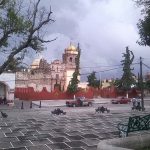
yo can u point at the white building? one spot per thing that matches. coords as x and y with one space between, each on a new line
7 85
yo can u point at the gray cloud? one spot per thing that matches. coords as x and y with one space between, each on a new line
103 27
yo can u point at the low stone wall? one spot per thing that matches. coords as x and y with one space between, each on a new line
128 143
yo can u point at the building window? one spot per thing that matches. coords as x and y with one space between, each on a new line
57 76
70 59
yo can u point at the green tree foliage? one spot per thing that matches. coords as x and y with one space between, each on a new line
147 85
127 78
92 80
14 65
117 83
78 60
144 23
73 84
21 29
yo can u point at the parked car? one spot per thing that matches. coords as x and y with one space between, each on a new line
121 100
79 101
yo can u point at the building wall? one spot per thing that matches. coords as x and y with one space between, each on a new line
2 90
106 83
69 74
7 85
42 74
83 85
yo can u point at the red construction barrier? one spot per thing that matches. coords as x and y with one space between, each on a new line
30 94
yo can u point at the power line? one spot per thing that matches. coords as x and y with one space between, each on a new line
105 66
102 71
146 66
83 74
67 76
99 66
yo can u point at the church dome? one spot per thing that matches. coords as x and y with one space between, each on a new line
71 48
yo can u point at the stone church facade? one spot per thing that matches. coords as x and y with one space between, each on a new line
42 74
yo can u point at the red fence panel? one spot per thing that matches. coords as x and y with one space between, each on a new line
30 94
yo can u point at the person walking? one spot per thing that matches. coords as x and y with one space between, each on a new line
138 101
134 103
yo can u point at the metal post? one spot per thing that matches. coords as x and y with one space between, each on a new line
31 104
141 85
40 105
22 105
100 78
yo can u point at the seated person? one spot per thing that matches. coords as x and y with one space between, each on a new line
102 109
4 100
1 100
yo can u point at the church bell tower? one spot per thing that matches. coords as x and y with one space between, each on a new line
69 59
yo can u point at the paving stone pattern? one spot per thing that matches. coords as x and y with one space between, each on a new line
59 132
39 130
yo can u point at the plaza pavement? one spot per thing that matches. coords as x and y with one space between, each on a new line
79 129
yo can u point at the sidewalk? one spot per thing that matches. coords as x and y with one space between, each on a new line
60 103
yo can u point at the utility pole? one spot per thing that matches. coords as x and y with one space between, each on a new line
141 85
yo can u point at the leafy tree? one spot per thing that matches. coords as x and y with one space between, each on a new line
117 83
127 78
147 85
73 84
14 65
92 80
144 23
78 60
21 29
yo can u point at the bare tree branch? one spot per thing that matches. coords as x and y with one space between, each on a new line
27 27
43 41
2 2
35 14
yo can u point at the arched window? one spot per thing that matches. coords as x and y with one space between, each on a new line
76 60
70 59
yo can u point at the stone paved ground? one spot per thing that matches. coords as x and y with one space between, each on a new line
37 129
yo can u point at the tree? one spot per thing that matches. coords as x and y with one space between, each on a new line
14 65
73 84
127 79
92 80
144 24
21 29
117 83
147 85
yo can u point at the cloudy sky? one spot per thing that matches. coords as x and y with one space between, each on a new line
102 27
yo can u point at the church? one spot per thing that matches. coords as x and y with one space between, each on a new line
42 74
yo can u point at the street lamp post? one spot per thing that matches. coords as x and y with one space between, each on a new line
141 85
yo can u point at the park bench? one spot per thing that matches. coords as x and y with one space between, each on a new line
102 110
58 111
135 123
